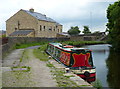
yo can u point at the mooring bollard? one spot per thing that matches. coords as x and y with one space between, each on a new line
49 57
67 70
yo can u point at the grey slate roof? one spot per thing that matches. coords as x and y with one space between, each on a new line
40 16
21 32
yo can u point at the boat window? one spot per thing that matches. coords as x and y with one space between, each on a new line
57 53
49 47
52 49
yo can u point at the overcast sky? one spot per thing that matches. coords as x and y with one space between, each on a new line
67 12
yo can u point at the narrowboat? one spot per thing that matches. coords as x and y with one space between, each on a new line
79 60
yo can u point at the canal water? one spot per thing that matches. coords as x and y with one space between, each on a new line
107 65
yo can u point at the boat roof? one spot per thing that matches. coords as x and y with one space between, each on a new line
59 45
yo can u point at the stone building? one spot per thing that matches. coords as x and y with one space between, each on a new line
27 23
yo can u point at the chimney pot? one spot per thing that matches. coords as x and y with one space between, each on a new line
31 10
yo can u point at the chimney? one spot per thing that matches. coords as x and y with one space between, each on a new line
31 10
44 15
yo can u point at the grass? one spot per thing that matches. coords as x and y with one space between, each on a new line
75 43
24 56
28 68
82 43
25 45
40 53
49 65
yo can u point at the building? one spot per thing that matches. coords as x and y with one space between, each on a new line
2 32
88 37
63 34
27 23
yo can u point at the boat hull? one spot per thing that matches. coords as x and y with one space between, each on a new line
89 79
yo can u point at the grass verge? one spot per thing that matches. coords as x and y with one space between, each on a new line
75 43
82 43
25 45
40 53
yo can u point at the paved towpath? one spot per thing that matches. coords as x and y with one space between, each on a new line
38 76
40 73
13 58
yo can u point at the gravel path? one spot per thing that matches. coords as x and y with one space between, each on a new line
40 73
38 76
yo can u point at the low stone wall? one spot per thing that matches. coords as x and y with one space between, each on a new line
12 41
34 39
84 38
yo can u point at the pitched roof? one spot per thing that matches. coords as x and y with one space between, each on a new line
21 32
40 16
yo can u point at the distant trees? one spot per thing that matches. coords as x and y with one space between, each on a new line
74 30
113 25
86 30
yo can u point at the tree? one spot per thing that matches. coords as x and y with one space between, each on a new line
86 30
113 25
74 30
96 32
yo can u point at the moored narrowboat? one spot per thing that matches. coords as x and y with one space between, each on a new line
79 60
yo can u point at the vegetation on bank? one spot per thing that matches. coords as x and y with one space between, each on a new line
40 53
97 84
113 25
82 43
75 43
25 45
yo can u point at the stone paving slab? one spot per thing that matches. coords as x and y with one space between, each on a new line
13 58
74 77
56 64
4 69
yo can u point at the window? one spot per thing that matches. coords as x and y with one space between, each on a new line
58 30
44 27
52 49
40 28
58 53
15 28
56 26
50 28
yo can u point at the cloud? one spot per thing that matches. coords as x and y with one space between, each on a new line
67 12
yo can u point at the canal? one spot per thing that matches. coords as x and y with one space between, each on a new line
107 65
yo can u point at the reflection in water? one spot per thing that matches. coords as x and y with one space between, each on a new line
113 64
100 54
107 64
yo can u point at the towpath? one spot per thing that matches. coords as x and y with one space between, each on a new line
38 76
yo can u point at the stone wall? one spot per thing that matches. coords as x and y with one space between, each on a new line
84 38
24 20
12 41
